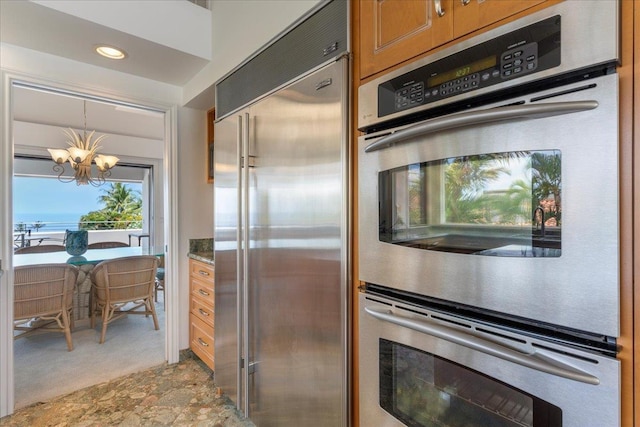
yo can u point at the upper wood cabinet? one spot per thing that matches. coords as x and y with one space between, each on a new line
471 15
393 31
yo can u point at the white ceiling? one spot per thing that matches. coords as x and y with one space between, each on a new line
37 27
54 109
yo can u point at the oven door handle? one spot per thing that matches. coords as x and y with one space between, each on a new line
470 118
535 360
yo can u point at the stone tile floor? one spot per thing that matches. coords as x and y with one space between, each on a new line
182 394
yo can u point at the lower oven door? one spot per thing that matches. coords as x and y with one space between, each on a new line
420 368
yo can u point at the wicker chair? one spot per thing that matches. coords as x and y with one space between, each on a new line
159 286
107 245
43 299
39 249
121 281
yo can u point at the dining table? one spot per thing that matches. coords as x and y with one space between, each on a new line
85 262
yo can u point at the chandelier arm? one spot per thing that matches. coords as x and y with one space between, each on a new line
59 169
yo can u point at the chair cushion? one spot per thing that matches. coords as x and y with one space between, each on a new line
160 273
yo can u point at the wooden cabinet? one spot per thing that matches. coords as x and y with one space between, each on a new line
471 15
393 31
201 308
211 117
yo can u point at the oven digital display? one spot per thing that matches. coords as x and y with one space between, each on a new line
519 53
465 70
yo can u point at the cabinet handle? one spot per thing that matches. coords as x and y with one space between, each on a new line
203 273
439 9
202 343
465 2
204 313
203 292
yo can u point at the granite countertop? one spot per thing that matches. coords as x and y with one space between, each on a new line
202 256
201 250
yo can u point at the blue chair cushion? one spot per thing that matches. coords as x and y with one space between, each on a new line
160 274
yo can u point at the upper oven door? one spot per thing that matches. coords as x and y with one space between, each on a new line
511 208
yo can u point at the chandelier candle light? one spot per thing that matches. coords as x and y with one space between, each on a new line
82 152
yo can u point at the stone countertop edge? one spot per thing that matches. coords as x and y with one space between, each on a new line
206 257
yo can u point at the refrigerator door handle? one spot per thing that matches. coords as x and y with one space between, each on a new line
239 265
244 156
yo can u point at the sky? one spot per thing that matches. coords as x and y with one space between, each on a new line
50 196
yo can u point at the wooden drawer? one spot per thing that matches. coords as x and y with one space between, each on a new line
201 270
201 336
202 290
201 310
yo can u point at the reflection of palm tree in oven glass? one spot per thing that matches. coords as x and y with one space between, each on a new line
546 183
492 189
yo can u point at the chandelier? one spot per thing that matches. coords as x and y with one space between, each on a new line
81 154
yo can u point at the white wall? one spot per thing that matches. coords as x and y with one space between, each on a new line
240 28
195 198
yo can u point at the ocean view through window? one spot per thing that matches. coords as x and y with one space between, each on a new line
48 205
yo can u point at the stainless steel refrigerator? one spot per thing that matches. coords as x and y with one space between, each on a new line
281 249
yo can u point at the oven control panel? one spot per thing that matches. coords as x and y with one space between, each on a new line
525 51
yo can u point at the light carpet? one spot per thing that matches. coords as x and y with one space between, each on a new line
44 368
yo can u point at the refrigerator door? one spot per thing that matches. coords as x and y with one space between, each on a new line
281 250
228 255
296 289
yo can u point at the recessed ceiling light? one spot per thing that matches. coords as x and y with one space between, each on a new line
111 52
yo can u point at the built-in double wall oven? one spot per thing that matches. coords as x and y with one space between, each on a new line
488 229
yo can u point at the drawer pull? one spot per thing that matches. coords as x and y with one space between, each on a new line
203 273
203 292
204 313
439 10
465 2
202 342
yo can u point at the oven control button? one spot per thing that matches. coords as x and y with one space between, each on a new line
531 58
474 83
495 73
434 92
486 76
531 65
507 73
507 65
474 76
517 70
517 53
507 57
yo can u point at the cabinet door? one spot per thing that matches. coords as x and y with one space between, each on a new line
392 31
471 15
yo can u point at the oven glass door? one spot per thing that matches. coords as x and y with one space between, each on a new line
424 390
496 204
